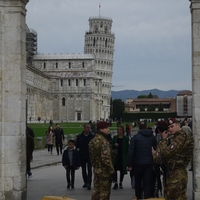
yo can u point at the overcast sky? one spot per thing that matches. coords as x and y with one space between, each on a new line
152 37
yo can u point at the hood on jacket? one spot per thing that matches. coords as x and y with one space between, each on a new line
146 132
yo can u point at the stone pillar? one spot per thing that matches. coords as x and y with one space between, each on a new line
12 100
195 14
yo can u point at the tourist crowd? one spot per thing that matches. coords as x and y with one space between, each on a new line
156 158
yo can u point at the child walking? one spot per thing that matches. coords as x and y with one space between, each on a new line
71 162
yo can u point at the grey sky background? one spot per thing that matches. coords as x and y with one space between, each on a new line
152 38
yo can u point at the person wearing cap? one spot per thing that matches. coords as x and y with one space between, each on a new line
101 159
175 153
139 154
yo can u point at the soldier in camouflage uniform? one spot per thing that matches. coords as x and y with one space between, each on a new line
174 151
100 155
162 130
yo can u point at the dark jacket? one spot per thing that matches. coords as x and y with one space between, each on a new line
59 134
76 159
30 131
29 146
139 151
82 142
125 145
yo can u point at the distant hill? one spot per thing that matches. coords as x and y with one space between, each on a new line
123 94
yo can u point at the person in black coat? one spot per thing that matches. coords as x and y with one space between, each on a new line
59 137
140 153
31 133
71 162
82 142
29 152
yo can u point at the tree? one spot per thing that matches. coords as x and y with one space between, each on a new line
111 108
143 96
150 96
160 107
151 108
142 109
118 108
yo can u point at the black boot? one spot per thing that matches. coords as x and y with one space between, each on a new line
115 186
120 186
68 186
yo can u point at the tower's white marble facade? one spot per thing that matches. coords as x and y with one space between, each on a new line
99 41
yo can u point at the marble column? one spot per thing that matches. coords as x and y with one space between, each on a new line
12 100
195 15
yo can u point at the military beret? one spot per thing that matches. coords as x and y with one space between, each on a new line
171 121
102 125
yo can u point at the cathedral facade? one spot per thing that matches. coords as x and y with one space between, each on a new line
72 87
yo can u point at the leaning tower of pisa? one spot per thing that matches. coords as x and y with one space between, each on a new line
99 41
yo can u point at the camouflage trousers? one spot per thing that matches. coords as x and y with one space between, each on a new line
176 184
102 187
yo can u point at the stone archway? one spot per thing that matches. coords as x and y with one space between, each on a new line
195 15
12 99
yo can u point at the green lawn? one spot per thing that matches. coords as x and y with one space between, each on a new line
69 128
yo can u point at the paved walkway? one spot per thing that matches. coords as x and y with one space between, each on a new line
42 159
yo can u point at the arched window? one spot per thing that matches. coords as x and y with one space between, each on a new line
94 42
106 43
63 101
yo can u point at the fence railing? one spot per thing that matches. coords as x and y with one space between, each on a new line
40 142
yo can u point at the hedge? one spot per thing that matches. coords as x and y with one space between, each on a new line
148 115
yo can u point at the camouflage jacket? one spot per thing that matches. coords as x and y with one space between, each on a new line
175 150
100 155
